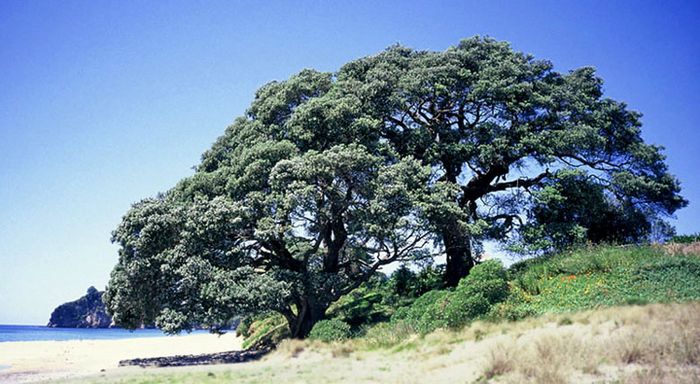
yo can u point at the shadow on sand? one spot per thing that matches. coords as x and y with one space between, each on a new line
205 359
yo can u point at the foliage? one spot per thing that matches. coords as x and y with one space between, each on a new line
573 210
485 286
245 326
574 280
599 276
330 330
371 302
204 261
580 279
515 307
265 332
421 316
406 283
380 297
394 158
386 334
500 126
488 279
686 239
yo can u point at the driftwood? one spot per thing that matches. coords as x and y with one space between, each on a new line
205 359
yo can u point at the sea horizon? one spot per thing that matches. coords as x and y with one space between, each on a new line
22 332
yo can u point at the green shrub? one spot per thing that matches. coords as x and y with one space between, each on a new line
635 301
461 308
515 307
426 313
377 300
265 332
488 279
403 281
387 334
380 298
243 328
565 321
330 330
364 305
511 311
408 284
528 282
485 285
686 239
432 316
667 279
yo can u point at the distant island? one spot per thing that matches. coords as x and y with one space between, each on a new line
86 312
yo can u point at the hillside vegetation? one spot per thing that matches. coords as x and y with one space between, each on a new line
598 314
386 310
601 276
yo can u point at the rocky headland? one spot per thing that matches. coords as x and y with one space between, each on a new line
86 312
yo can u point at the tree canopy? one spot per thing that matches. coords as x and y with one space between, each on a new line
398 156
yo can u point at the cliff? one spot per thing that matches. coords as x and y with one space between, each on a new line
86 312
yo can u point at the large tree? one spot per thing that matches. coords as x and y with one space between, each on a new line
499 125
397 156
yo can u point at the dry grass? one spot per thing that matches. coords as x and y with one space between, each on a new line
500 362
656 375
655 343
682 249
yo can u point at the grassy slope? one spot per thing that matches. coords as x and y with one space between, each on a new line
577 335
601 276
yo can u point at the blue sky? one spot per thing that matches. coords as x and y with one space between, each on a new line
105 103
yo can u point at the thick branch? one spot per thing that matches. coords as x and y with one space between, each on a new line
519 183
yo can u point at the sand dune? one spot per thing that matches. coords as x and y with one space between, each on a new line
32 361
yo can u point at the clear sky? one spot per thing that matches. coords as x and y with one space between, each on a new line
105 103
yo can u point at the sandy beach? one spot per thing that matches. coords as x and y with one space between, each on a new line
36 361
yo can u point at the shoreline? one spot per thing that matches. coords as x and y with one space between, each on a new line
35 360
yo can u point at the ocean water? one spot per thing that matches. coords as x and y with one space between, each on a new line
37 333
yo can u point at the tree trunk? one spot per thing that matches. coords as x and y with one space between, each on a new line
459 256
456 240
309 313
